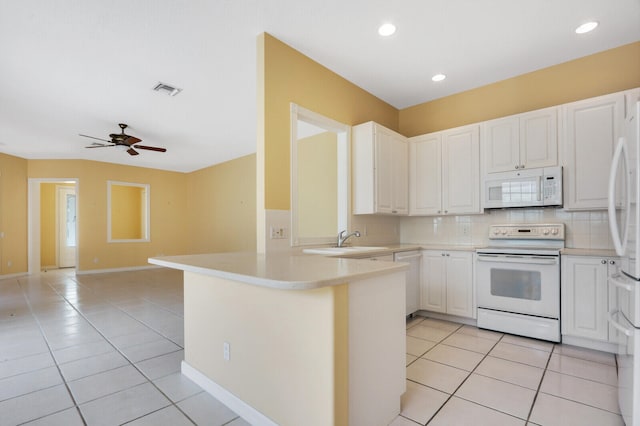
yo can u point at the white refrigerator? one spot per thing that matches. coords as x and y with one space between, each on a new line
624 221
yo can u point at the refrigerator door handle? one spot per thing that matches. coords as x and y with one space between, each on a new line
621 328
619 155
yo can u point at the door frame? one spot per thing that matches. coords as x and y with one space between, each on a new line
33 220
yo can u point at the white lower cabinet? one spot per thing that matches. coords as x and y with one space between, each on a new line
447 282
586 297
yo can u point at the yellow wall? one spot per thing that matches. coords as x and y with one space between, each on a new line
605 72
288 349
318 185
126 212
222 207
168 211
13 214
288 76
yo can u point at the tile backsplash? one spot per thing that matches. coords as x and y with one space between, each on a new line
587 229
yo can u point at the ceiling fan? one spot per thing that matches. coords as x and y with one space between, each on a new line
122 139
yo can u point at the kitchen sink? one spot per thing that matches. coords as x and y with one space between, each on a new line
332 251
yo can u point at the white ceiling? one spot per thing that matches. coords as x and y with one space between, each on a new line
82 66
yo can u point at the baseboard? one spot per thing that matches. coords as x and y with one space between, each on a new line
9 276
125 269
590 344
240 407
447 317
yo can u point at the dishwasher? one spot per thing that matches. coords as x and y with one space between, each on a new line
413 258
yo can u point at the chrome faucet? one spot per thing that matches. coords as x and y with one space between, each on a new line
342 238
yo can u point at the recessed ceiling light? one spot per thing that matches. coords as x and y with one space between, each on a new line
386 30
586 27
438 77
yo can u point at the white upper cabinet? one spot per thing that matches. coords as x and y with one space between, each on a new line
592 128
461 170
380 170
521 141
444 172
425 174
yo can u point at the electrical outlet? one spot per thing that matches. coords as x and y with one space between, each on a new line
226 351
278 233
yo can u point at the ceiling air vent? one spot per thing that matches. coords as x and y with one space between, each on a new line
165 88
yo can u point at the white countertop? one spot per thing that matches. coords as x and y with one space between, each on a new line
283 271
589 252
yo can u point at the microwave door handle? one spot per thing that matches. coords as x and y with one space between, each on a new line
620 154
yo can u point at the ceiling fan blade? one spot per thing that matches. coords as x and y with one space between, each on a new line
131 140
98 145
132 151
93 137
151 148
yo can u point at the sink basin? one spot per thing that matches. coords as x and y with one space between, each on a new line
332 251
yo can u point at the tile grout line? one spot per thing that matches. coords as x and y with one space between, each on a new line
544 373
465 379
64 381
537 391
121 353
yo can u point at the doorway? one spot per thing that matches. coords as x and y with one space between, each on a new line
52 224
66 226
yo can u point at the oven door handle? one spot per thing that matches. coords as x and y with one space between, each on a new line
621 328
529 260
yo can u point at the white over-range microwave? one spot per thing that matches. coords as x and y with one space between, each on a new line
523 188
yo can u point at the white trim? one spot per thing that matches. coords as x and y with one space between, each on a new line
343 134
124 269
237 405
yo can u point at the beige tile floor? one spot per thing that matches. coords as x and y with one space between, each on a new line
105 349
460 375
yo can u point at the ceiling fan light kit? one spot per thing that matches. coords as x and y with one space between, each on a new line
122 142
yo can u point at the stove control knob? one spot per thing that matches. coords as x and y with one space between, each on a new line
545 231
496 231
504 232
554 231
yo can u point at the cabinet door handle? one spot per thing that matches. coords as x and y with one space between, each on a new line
522 166
604 262
394 211
612 262
438 211
517 167
446 211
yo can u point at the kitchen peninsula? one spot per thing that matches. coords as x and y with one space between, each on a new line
295 339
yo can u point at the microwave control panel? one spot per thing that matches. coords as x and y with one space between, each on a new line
542 231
